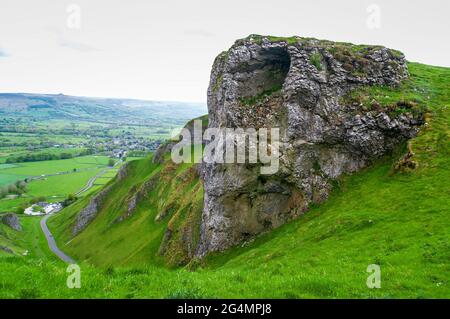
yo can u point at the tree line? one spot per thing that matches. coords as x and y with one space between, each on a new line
37 157
17 188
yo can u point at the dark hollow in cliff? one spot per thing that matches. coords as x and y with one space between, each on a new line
269 72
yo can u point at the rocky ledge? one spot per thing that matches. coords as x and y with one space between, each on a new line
297 85
11 220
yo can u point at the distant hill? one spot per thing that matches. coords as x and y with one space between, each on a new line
60 106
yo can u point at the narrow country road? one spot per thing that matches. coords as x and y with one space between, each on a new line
51 242
48 235
92 180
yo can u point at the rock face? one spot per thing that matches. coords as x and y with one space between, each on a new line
297 85
138 195
6 249
88 214
12 221
158 157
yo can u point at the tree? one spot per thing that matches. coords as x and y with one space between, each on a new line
21 185
65 156
38 199
69 200
12 189
111 162
3 192
38 209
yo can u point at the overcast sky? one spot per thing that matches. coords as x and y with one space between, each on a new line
163 50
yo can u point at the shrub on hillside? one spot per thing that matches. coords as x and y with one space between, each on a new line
37 200
71 198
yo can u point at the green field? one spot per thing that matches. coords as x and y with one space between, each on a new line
57 187
62 185
6 179
56 166
5 166
58 181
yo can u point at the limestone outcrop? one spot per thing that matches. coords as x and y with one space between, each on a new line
88 214
298 85
11 220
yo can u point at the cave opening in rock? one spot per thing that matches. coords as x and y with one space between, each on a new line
268 74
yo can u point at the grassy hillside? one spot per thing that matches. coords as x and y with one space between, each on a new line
397 218
170 205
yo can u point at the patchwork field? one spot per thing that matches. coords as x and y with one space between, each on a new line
33 169
52 179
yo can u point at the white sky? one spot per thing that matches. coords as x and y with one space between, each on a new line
163 50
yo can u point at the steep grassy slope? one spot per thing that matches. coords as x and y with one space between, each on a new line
9 241
30 243
165 203
396 218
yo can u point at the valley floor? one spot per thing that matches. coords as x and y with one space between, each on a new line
53 180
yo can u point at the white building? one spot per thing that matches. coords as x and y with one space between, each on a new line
48 208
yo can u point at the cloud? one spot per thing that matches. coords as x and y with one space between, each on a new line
3 53
198 32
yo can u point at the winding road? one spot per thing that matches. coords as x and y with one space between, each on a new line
48 235
91 182
52 244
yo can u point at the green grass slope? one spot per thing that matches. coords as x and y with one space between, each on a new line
170 206
396 218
